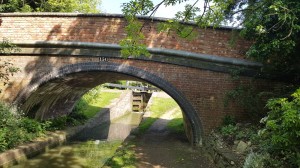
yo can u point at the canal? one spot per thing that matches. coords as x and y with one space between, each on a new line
89 148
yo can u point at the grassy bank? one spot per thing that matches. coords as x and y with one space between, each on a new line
176 124
16 129
94 100
158 107
87 107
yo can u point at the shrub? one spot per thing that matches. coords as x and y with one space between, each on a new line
58 123
254 160
229 120
73 119
281 134
16 129
229 130
31 126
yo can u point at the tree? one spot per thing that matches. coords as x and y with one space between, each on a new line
6 68
83 6
273 26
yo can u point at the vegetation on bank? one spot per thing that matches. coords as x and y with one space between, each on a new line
175 125
86 107
159 107
275 141
16 128
94 100
125 156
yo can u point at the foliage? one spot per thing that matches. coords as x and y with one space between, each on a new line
133 45
6 68
273 26
87 107
254 160
281 133
61 122
277 142
83 6
229 120
16 129
251 100
231 130
94 100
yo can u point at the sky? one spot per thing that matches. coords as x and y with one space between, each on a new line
114 7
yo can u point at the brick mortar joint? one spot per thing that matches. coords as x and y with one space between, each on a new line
106 15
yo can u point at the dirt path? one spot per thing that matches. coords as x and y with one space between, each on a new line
158 148
166 151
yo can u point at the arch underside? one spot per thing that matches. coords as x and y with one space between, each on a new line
57 92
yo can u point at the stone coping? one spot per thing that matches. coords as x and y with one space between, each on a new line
56 138
22 152
161 55
157 51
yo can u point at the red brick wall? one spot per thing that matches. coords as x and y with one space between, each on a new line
111 30
204 89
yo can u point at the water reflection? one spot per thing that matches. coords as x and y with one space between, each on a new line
117 129
90 148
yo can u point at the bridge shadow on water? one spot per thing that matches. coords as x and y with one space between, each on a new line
154 148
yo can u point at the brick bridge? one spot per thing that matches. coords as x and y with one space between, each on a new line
64 55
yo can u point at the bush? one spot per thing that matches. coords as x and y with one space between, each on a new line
229 120
73 119
281 134
229 130
31 126
16 129
254 160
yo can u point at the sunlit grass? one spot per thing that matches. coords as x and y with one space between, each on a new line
102 100
176 124
93 101
159 107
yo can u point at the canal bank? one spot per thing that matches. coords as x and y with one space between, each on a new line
21 153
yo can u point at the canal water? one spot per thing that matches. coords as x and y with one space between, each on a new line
90 148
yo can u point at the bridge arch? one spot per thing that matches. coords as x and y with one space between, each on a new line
193 123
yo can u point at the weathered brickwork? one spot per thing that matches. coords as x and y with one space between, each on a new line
111 29
204 90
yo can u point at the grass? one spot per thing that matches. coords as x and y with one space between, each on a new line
102 100
159 107
125 155
94 100
176 124
87 107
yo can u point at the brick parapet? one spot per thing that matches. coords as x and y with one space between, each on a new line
110 30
